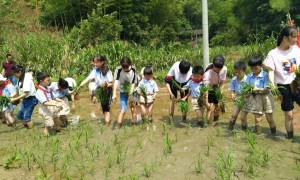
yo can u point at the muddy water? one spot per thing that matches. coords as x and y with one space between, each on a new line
140 148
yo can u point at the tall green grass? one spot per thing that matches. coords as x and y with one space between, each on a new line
61 56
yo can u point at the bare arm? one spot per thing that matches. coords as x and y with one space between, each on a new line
116 83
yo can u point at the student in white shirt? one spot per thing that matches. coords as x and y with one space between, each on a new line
103 78
26 91
151 88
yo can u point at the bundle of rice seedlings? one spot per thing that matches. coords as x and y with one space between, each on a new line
183 106
276 93
143 91
4 101
201 98
176 85
126 87
221 98
295 85
102 94
245 91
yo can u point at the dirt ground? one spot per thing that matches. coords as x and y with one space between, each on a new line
89 150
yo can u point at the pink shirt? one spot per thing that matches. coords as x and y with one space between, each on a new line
283 63
213 78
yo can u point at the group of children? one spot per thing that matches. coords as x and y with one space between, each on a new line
182 79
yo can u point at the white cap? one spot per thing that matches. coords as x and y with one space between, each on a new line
2 78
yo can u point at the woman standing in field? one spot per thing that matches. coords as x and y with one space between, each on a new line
26 91
104 80
282 63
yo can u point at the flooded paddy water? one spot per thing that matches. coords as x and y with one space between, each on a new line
89 150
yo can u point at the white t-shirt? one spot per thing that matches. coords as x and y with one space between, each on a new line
71 82
283 63
28 85
175 72
97 75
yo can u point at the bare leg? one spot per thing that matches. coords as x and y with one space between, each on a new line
257 123
235 112
150 113
289 117
107 118
244 120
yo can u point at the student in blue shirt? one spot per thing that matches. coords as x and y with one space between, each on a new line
151 91
235 89
193 86
261 100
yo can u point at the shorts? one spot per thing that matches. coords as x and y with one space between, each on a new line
259 104
48 113
92 88
26 108
195 104
124 100
149 99
65 107
212 98
174 90
288 98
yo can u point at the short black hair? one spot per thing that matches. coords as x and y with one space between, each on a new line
219 61
125 62
148 70
63 83
198 70
8 55
255 61
41 76
18 68
184 67
240 65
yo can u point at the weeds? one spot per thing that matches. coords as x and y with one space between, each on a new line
14 158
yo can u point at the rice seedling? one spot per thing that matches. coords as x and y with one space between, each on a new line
203 91
246 90
164 129
29 157
4 101
265 158
148 169
143 92
224 165
297 168
209 144
126 87
14 158
276 93
221 98
103 94
252 142
183 106
176 85
54 155
199 165
167 145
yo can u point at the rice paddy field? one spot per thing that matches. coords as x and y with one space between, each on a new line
88 150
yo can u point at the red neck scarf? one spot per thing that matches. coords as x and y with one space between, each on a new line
45 91
197 81
3 86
